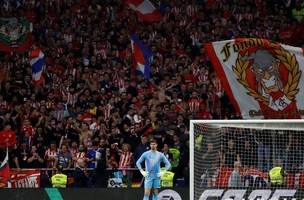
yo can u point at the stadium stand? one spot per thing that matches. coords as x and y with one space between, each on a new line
92 105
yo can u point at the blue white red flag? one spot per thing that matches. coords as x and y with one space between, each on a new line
142 56
37 63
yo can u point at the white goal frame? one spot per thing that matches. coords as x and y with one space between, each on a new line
236 123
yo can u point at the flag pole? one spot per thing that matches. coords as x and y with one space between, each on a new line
7 152
8 180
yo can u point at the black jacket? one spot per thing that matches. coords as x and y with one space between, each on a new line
81 180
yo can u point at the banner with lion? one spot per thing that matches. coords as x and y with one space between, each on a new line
15 34
263 79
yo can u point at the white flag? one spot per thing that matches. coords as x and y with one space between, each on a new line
263 79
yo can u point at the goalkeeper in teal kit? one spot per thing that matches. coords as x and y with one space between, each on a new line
152 172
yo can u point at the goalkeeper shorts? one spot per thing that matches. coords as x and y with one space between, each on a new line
152 182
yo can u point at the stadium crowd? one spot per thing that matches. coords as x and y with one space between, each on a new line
92 104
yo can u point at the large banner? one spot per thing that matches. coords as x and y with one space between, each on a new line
263 79
24 179
15 34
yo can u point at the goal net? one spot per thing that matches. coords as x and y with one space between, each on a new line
219 148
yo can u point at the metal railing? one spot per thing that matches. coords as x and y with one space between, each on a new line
89 169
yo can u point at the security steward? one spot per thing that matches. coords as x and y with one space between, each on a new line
167 178
276 174
59 180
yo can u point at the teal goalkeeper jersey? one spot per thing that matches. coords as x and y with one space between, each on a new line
152 162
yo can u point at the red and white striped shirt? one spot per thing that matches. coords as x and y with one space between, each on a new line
218 86
79 155
126 160
50 154
194 104
191 10
60 51
72 98
203 76
101 52
73 152
59 115
119 82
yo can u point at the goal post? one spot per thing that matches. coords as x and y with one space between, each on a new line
253 147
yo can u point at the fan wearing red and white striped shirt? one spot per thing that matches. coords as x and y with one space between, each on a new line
81 154
192 10
194 103
50 155
126 161
74 149
71 95
126 157
219 90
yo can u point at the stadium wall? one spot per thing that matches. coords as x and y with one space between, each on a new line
91 194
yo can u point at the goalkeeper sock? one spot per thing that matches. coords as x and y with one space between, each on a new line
154 197
146 197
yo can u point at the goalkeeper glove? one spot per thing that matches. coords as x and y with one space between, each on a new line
160 174
144 173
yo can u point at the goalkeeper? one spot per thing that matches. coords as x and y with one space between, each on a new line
152 172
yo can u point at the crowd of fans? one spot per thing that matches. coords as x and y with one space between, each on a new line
92 104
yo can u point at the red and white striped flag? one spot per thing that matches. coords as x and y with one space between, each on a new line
145 10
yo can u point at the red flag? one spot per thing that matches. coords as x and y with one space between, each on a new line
7 138
4 172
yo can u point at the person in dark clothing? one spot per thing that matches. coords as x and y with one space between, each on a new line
45 180
2 155
80 177
248 155
264 142
20 155
100 176
141 148
35 160
230 155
